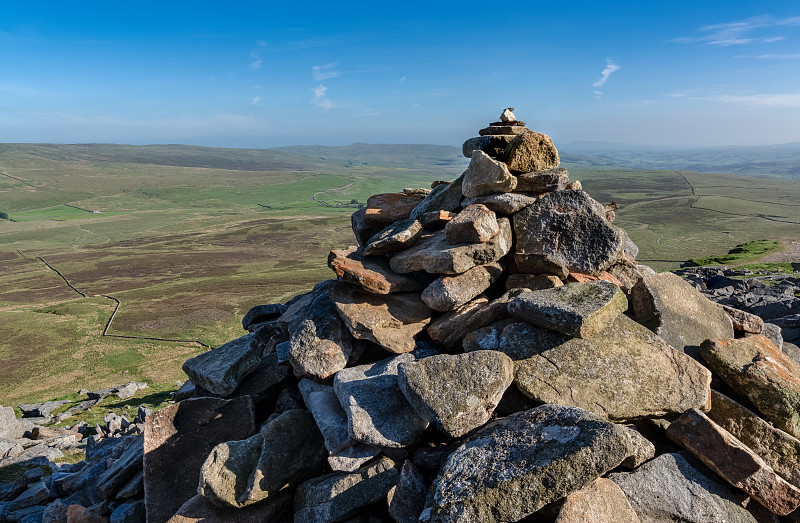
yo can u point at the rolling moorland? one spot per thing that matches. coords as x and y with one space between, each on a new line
181 241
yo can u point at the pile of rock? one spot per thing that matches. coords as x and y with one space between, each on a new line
489 351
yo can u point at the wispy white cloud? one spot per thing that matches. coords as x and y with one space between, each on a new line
403 78
794 56
261 43
781 101
369 113
256 65
611 68
256 100
323 72
742 32
321 99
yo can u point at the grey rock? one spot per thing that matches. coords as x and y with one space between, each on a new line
773 332
351 458
601 500
222 369
128 512
377 411
266 381
539 455
262 313
456 393
540 182
387 208
287 451
56 512
31 514
40 410
502 203
446 293
444 197
434 255
531 151
34 495
9 426
565 230
623 372
396 237
486 176
643 448
631 249
494 145
668 489
361 230
575 309
503 129
134 487
435 220
123 470
41 450
185 391
533 282
449 328
669 306
200 510
475 224
390 320
9 448
407 498
629 273
336 497
128 390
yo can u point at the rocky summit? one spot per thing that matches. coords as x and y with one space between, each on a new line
487 350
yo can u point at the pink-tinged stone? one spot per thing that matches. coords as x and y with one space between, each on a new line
576 277
534 282
372 274
435 220
475 224
600 500
744 321
80 514
733 461
385 209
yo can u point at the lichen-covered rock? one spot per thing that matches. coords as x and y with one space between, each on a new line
434 255
531 151
446 293
335 497
448 329
377 411
668 488
744 321
475 224
576 309
396 237
516 465
503 203
390 320
456 393
622 372
287 451
494 145
733 461
486 176
669 306
372 274
758 371
569 229
222 369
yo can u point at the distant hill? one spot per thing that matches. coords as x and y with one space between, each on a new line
385 155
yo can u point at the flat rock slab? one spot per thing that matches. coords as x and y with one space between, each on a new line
221 370
434 255
447 293
178 439
540 182
758 371
377 411
669 306
623 372
456 393
443 197
335 497
668 488
576 309
566 229
502 203
485 176
778 449
475 224
531 151
396 237
516 465
200 510
385 209
390 320
733 461
372 274
601 500
287 451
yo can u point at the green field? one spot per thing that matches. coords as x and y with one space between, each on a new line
189 238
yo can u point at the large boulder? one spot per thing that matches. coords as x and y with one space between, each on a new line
377 411
531 151
221 370
372 274
758 371
177 441
287 451
390 320
668 488
486 176
516 465
577 309
494 145
733 461
434 255
565 230
456 393
669 306
622 372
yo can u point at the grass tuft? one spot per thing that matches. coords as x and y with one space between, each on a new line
745 252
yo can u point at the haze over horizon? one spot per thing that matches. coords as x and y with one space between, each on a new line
244 74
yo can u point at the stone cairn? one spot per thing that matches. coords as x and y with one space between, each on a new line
489 351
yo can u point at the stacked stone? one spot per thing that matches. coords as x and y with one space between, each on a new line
489 350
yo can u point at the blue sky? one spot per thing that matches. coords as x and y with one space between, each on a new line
255 74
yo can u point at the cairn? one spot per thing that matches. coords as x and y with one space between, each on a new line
489 350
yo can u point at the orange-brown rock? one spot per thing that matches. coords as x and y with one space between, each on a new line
601 500
576 277
531 151
385 209
372 274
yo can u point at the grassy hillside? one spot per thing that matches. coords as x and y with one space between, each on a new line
189 238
